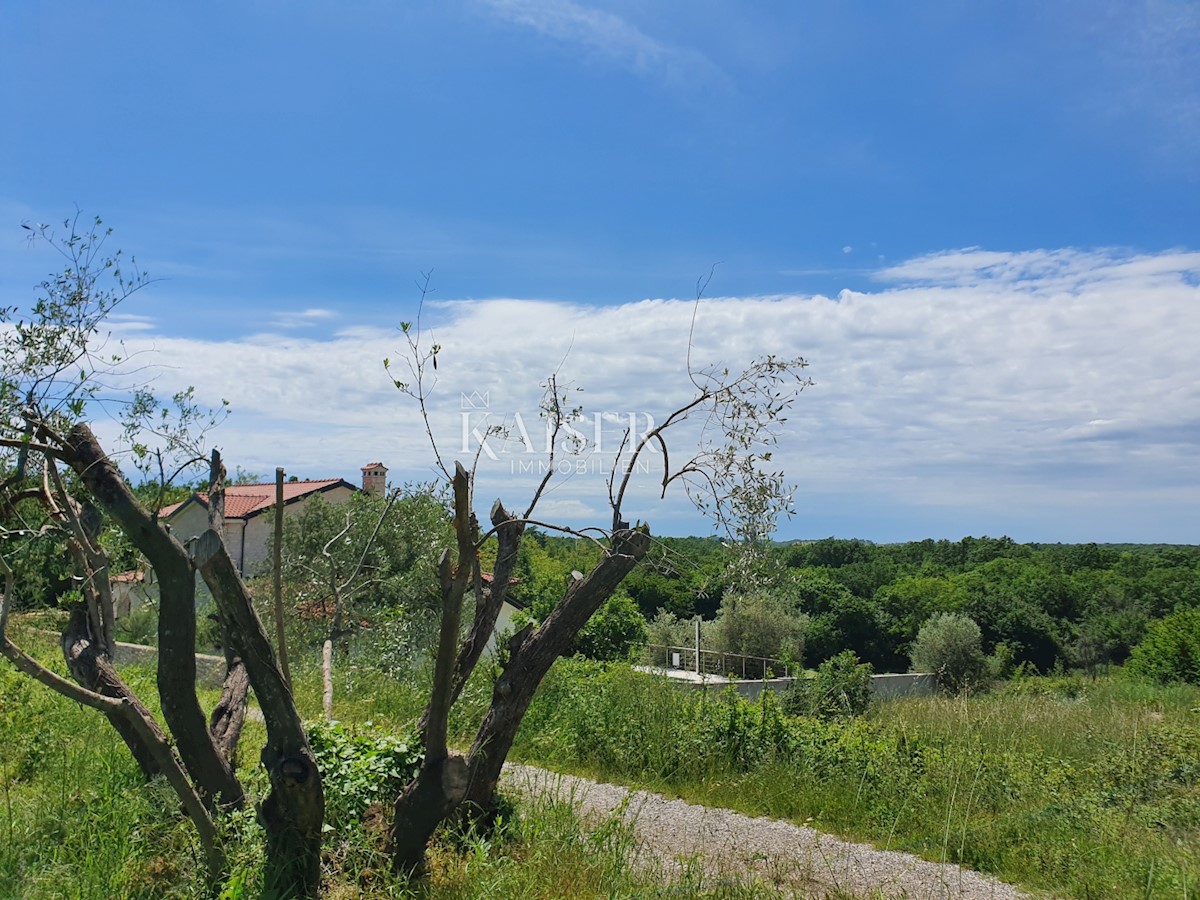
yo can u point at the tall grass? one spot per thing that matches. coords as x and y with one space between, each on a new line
1089 790
1079 788
77 821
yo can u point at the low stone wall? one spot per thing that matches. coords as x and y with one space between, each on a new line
210 670
883 687
913 684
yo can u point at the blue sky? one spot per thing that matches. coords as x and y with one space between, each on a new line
980 222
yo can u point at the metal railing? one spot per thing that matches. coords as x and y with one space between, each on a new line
714 662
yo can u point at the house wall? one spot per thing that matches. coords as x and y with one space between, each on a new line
504 626
256 554
248 551
190 522
130 596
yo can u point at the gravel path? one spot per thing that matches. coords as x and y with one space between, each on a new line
792 858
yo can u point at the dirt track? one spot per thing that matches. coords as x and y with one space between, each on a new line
792 858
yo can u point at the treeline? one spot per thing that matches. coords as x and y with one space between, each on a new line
1038 606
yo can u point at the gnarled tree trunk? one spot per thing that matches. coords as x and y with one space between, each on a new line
294 811
442 787
211 771
532 656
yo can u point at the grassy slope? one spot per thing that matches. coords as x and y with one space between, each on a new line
77 822
1085 790
1088 790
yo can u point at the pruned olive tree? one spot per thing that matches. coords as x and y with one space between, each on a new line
58 368
727 475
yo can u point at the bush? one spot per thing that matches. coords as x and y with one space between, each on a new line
760 625
139 626
1170 651
841 687
358 769
951 647
616 630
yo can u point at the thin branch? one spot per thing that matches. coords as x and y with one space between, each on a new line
702 284
537 523
416 365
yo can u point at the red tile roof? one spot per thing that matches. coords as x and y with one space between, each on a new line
245 500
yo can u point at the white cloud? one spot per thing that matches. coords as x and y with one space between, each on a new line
127 322
610 37
305 318
1051 390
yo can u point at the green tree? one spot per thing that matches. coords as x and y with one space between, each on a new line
369 554
907 603
1022 605
950 646
1170 651
616 630
760 624
838 619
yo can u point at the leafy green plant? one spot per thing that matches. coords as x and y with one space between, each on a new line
360 767
140 626
1170 651
616 630
841 687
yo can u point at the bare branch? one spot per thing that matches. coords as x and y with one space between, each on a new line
454 582
417 359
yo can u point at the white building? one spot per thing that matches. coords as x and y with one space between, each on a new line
249 512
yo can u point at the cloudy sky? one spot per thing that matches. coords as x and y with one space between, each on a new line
978 222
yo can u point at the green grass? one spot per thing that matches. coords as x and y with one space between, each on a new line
1077 788
77 822
1081 789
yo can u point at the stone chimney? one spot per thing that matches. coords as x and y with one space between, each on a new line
374 479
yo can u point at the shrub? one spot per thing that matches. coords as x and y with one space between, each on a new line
614 632
1170 651
951 647
139 626
760 625
841 687
360 769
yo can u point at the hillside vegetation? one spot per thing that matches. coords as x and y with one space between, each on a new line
1077 787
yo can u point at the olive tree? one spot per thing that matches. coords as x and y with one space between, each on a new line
728 475
58 368
950 646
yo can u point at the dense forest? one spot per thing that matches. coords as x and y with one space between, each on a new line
1039 606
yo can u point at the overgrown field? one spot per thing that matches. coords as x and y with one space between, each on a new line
77 822
1080 788
1087 789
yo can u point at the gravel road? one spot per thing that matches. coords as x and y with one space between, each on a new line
792 858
